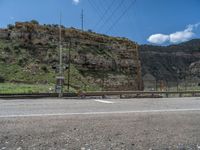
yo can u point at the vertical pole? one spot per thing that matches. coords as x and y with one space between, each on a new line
177 81
167 85
69 65
156 85
60 47
177 85
82 20
190 78
103 78
185 78
139 84
60 59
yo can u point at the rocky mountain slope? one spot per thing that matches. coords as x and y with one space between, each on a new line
172 63
30 53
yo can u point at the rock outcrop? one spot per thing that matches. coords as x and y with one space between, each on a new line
174 63
169 62
194 69
103 61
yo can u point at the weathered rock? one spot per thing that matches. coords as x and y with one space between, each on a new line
169 63
112 63
194 68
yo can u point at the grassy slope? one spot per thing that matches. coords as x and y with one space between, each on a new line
20 80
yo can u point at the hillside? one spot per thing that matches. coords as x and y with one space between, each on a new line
172 63
29 55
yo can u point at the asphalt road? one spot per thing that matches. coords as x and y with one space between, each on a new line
100 124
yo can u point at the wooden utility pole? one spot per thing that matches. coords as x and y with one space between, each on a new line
82 20
60 77
60 47
139 80
69 65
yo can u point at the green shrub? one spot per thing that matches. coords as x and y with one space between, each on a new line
10 26
35 22
2 80
45 69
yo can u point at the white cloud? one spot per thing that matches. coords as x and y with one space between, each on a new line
181 36
176 37
158 38
76 2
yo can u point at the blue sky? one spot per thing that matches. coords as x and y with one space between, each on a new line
144 21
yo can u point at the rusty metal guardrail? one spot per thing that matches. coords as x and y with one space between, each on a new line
31 95
36 95
142 93
104 93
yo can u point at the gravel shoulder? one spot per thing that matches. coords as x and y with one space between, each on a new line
171 130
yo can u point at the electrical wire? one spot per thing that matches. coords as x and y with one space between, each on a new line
95 7
119 18
104 14
112 14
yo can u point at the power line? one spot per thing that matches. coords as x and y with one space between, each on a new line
115 10
96 8
119 18
101 5
107 10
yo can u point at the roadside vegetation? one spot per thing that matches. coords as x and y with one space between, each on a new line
16 88
20 88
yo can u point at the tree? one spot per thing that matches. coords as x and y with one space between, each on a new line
90 30
35 22
10 26
2 79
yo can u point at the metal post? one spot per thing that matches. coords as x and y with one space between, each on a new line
156 85
82 20
185 80
60 94
102 88
177 80
139 84
177 85
69 65
60 47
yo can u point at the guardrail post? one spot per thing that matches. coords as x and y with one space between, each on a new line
137 95
180 94
193 94
167 95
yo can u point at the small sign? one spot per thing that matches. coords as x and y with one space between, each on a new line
58 89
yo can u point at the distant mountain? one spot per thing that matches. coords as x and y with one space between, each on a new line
171 63
189 46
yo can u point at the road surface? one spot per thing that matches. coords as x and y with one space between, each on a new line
100 124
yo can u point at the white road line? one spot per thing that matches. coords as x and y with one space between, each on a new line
103 101
99 113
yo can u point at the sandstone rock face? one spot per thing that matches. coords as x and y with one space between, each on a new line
174 64
169 62
194 68
4 34
112 63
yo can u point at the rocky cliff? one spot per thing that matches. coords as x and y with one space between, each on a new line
29 54
174 63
